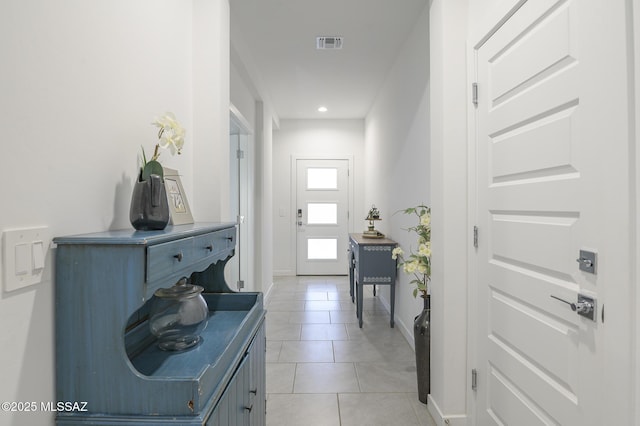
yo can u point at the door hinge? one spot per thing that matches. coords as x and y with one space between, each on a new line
474 94
240 284
240 154
474 379
475 236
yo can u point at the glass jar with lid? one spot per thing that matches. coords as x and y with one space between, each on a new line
178 316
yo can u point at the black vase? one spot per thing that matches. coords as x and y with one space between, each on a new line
149 206
422 339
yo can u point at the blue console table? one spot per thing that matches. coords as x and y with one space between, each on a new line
106 356
370 263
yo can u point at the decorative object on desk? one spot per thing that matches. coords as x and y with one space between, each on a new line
418 263
371 232
149 208
178 316
177 198
422 341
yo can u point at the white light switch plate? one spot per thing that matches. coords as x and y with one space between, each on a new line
24 256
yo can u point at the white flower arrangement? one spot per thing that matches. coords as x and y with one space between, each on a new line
418 263
170 133
171 136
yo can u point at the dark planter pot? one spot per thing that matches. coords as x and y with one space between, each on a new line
149 206
422 339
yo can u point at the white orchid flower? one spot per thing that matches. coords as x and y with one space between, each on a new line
425 219
171 134
424 250
396 252
410 267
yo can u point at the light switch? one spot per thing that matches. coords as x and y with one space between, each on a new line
22 259
24 254
37 255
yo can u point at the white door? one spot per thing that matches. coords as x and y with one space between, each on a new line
551 148
232 271
237 271
322 199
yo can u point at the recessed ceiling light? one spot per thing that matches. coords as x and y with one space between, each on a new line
322 109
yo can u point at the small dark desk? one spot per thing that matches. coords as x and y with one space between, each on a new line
370 263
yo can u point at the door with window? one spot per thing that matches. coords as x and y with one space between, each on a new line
322 215
552 180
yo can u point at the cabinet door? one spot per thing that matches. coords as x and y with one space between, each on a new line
234 407
243 403
257 379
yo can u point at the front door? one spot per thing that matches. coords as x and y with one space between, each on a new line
552 147
322 199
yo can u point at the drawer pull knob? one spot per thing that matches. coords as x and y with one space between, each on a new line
178 256
209 247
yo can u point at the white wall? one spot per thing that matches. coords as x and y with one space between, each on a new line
210 97
635 134
241 95
244 103
81 83
264 197
247 84
397 158
450 229
311 138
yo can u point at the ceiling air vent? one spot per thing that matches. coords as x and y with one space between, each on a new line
327 42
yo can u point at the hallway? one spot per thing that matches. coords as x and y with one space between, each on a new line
324 370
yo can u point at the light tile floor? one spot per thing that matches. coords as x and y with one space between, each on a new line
322 369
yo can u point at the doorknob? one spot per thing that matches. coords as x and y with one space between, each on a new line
586 306
587 261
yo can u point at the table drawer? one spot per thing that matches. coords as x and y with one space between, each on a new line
165 259
168 258
214 243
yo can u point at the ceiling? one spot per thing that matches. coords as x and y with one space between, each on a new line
280 37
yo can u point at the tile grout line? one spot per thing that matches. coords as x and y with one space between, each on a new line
355 370
339 412
295 375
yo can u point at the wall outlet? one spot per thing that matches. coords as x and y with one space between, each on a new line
24 256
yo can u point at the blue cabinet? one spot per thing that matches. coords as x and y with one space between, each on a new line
106 356
243 403
370 263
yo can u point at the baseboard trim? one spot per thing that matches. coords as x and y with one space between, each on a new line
442 419
267 294
439 417
407 332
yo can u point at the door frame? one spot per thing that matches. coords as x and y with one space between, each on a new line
244 233
293 197
635 204
479 32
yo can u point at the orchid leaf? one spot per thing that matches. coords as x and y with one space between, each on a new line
152 168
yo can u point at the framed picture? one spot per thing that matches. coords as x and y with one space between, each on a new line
178 204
